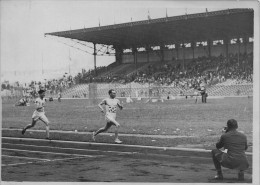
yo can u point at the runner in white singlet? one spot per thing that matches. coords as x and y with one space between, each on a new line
39 114
111 105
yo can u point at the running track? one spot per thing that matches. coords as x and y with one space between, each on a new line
27 159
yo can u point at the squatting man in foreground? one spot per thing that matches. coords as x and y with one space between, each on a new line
111 105
234 157
39 114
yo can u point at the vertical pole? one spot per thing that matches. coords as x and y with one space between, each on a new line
119 52
136 59
183 56
134 50
95 59
69 61
147 51
238 56
245 40
193 48
42 64
162 53
209 47
226 43
177 50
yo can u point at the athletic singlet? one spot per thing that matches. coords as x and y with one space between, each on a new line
111 106
40 103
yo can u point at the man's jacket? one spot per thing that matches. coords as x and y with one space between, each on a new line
236 144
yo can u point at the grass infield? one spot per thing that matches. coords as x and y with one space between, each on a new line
180 117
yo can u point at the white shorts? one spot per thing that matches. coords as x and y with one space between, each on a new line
40 116
112 119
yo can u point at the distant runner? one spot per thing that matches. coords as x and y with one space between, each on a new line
59 97
39 114
22 102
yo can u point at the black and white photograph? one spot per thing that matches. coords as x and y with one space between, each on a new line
129 91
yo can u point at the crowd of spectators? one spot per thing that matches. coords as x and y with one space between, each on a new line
192 73
203 70
53 86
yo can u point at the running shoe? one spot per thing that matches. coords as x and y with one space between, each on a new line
23 131
118 141
219 177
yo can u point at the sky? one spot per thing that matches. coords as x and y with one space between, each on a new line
26 54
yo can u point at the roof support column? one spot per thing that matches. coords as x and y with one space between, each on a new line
148 49
134 51
226 42
183 56
148 58
245 41
119 53
238 55
209 47
193 48
162 53
177 50
95 59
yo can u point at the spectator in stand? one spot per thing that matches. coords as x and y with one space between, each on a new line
203 93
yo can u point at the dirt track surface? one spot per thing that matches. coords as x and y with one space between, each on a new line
118 169
44 163
131 139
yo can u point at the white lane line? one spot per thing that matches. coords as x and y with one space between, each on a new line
179 156
75 149
52 147
190 157
16 164
25 157
83 133
120 153
56 153
67 159
119 146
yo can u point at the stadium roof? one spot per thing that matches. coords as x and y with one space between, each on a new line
215 25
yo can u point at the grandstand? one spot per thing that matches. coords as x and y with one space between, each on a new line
172 55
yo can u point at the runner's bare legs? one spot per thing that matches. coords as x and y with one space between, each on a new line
47 129
29 126
103 129
108 125
33 124
116 129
